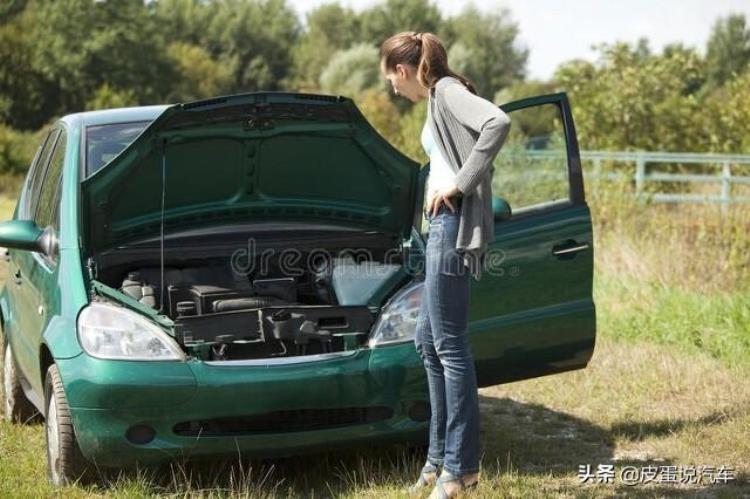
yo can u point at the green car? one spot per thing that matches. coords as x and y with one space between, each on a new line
244 273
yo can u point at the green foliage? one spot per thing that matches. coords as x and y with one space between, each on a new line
728 49
330 27
393 16
10 8
200 75
534 122
69 55
227 46
408 139
402 131
16 150
483 46
678 100
381 113
183 20
27 97
352 71
254 38
532 168
729 112
634 100
107 97
86 45
714 324
484 42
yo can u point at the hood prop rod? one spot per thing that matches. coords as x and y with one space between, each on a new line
161 224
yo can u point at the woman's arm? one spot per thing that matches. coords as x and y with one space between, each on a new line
488 120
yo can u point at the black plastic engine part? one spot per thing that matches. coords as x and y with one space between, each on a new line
218 328
186 308
229 304
284 288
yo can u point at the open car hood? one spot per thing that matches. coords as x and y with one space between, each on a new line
251 157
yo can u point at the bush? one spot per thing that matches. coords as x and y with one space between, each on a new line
17 149
350 72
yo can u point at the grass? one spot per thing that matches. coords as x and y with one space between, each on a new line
715 324
636 404
669 384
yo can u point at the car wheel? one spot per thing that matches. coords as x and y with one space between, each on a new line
18 409
65 463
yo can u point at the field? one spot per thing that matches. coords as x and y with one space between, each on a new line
669 384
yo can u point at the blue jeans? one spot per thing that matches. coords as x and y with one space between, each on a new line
442 340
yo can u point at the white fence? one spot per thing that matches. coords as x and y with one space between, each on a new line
640 172
724 179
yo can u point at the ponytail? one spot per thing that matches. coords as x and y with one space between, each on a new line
425 52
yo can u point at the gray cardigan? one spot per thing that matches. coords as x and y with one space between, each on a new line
469 131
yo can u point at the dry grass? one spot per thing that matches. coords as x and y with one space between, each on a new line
651 395
636 404
698 247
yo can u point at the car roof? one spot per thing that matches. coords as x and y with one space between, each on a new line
117 115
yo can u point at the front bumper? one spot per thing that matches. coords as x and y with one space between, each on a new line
198 409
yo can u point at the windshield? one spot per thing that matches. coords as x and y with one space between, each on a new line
104 142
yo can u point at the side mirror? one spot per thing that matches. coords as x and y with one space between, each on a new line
500 208
25 235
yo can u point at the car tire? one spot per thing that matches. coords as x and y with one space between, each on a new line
17 407
65 462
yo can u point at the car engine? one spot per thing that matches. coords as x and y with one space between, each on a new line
221 315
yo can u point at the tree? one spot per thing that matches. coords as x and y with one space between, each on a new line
728 111
27 96
254 38
352 71
392 16
10 8
17 149
381 113
107 97
80 46
483 48
330 27
533 122
200 76
728 49
631 99
183 20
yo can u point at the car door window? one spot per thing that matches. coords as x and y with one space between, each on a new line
31 194
32 171
45 211
532 170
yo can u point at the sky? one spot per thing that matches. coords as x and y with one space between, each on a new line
555 31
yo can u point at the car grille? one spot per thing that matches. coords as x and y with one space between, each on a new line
283 421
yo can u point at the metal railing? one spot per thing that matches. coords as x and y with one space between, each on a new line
725 178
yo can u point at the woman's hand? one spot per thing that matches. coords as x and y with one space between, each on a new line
442 196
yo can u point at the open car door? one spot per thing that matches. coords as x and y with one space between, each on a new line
532 312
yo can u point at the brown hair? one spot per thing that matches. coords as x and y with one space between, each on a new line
424 51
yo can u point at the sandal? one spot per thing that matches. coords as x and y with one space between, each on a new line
423 481
446 477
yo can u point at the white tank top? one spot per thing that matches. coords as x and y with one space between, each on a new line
441 174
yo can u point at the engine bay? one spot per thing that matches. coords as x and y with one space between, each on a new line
220 314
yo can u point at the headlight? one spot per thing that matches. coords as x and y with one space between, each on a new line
398 320
111 332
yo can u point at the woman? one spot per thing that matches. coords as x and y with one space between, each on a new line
462 134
